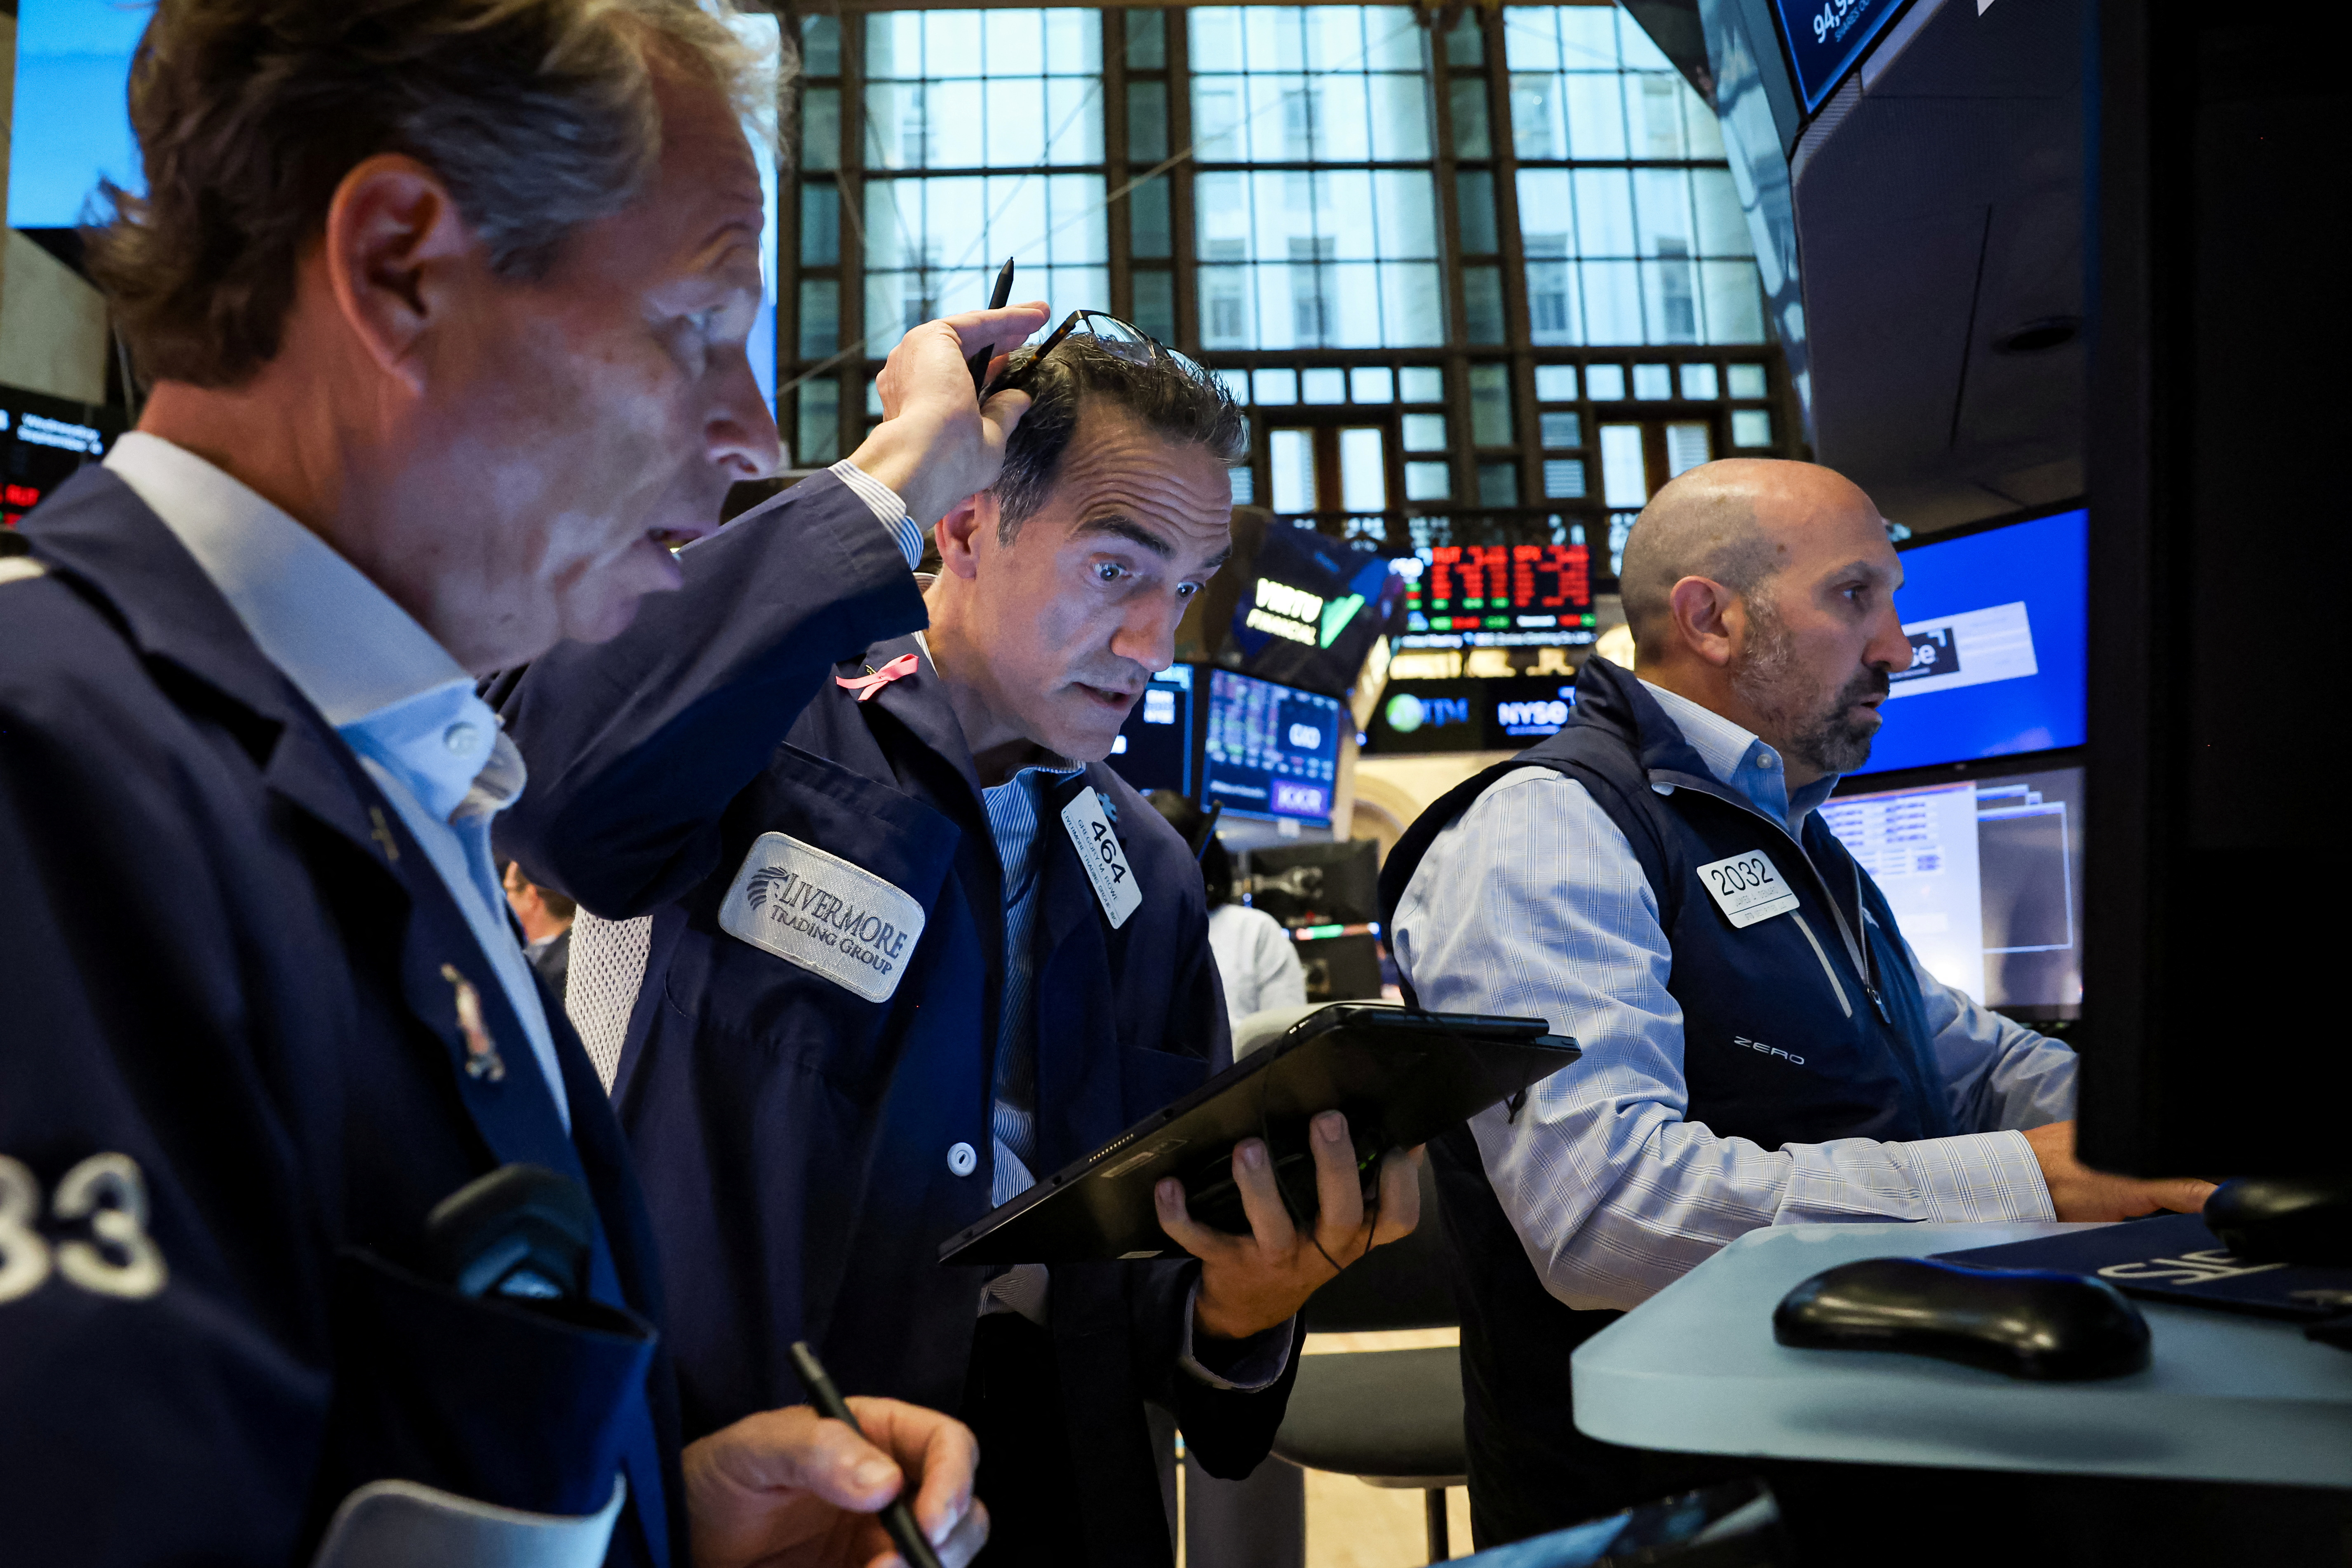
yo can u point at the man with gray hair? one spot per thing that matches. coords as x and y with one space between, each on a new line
916 948
317 1238
1747 1062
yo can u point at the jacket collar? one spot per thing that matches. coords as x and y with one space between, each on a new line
1609 698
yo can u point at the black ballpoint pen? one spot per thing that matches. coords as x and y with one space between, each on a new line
987 352
898 1519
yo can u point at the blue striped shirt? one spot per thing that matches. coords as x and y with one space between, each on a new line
1014 809
1532 904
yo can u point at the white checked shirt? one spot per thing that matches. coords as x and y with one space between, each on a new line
1533 903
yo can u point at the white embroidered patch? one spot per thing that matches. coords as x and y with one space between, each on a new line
818 911
1105 861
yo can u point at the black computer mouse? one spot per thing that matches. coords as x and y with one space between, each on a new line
2027 1323
2285 1219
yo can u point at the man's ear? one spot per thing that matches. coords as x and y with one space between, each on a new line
958 533
1707 619
398 255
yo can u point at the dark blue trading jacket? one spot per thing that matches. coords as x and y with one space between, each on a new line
221 980
1828 981
794 1136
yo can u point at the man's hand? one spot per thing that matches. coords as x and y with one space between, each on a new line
936 444
786 1488
2080 1193
1250 1283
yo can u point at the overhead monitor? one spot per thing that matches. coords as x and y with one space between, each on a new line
43 440
1984 873
1826 38
1997 622
1154 747
1505 715
1499 596
1311 607
1270 751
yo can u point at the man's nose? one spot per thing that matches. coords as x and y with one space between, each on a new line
1147 633
740 433
1889 647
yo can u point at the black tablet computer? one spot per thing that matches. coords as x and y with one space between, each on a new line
1400 1076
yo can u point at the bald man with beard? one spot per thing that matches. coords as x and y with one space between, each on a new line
1761 1047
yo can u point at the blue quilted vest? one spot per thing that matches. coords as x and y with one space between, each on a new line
1800 1026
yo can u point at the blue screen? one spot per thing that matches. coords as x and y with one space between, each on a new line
1271 751
1826 37
72 117
1998 646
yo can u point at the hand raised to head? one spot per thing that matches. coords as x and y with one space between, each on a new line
936 444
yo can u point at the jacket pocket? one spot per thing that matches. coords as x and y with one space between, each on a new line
514 1408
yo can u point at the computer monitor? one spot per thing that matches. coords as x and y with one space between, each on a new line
1997 621
1154 747
1983 867
1270 752
43 442
1334 884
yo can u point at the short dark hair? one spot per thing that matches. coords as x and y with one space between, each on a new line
538 114
1165 397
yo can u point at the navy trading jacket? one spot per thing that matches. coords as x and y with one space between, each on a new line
1827 969
809 1138
233 1083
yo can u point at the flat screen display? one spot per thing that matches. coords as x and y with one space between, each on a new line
1311 608
1271 751
1499 596
1154 747
1985 877
1998 646
43 440
1826 37
1503 715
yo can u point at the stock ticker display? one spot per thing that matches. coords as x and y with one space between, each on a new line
1499 596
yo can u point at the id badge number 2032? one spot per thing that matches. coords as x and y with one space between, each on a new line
1748 887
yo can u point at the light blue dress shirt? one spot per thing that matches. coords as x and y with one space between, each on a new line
395 694
1532 904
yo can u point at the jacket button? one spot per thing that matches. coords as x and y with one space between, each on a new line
962 1159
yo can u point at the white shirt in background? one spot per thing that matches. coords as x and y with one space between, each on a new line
1257 959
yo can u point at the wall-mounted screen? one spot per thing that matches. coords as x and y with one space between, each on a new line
1499 596
43 440
1506 715
1271 751
1997 624
1154 747
1985 876
1827 38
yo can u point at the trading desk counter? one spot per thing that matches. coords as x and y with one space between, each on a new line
1695 1369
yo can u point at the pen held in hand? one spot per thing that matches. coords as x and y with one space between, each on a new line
898 1519
978 364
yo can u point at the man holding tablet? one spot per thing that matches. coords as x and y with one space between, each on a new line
918 948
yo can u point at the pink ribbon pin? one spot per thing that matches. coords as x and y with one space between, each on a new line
865 685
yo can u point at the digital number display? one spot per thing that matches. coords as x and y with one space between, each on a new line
1826 37
1501 588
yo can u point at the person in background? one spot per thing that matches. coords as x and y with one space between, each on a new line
442 308
1256 960
1748 1060
919 949
545 917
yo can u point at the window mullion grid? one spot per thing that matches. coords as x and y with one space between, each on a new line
1116 220
1518 326
1177 46
853 373
787 240
1445 170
